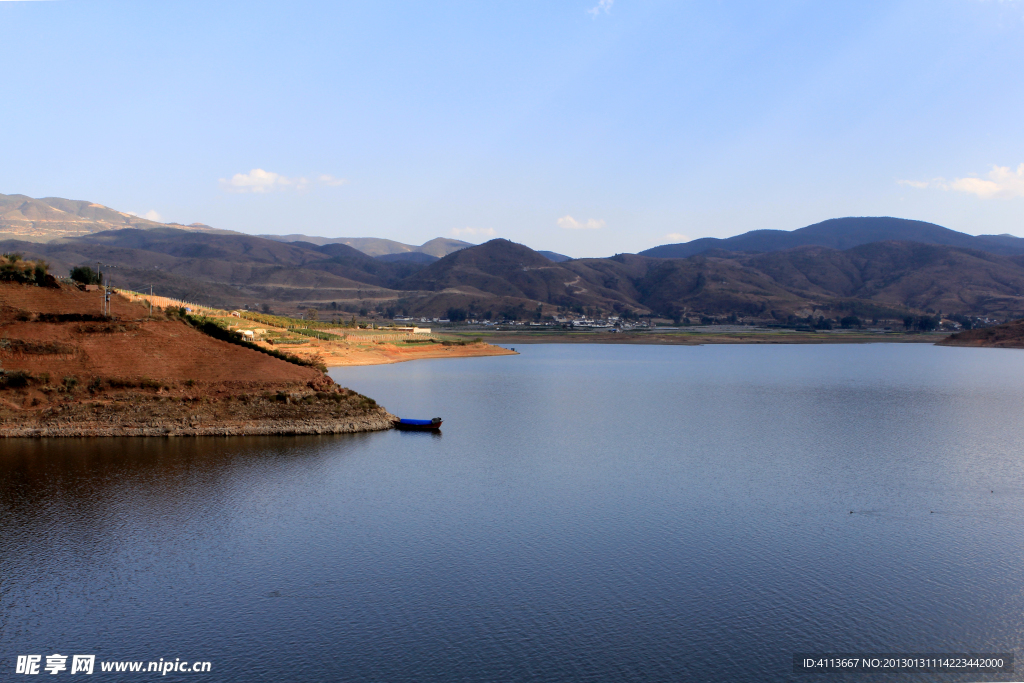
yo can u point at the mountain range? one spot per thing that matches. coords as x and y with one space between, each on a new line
883 268
375 246
843 233
54 218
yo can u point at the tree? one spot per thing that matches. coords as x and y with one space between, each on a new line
85 275
41 269
849 321
311 314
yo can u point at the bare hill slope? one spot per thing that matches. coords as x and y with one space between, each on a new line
69 371
49 218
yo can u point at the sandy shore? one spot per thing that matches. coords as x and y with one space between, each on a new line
392 354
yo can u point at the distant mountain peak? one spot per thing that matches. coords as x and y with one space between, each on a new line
843 233
50 218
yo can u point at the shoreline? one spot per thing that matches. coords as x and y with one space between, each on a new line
297 412
277 428
391 355
700 338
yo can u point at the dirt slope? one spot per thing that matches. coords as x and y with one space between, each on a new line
67 370
1007 336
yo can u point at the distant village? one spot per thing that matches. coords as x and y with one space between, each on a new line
611 324
808 323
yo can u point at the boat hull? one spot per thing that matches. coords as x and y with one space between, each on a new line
419 425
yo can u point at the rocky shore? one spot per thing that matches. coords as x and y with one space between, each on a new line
189 411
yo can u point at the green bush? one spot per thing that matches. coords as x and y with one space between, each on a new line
85 275
13 268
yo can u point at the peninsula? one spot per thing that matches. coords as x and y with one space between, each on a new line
68 367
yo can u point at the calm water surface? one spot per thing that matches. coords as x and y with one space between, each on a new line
590 513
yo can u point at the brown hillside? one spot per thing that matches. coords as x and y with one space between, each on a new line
882 280
67 370
42 220
129 345
1007 336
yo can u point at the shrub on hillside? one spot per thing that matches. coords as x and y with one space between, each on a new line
15 379
85 275
13 268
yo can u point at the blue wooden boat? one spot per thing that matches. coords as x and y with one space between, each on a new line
419 425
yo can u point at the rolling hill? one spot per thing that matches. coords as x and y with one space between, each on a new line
881 279
375 246
49 218
221 270
843 233
874 267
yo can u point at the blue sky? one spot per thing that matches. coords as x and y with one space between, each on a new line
585 127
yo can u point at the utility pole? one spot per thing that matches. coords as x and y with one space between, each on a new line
151 301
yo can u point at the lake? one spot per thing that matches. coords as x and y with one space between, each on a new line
588 513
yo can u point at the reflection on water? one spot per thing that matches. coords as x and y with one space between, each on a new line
590 513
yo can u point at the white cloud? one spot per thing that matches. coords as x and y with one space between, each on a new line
677 237
482 232
570 223
601 6
919 184
150 215
1002 182
259 181
328 179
